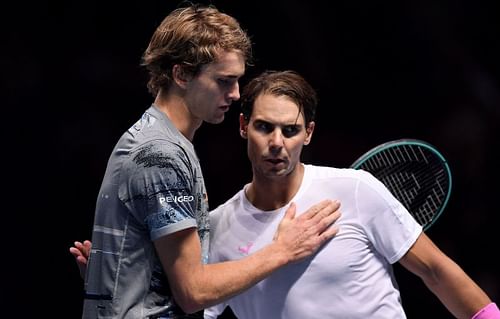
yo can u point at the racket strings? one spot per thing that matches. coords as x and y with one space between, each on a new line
415 176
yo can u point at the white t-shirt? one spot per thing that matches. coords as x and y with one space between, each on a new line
350 277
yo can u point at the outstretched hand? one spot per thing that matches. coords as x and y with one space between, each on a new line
81 252
303 235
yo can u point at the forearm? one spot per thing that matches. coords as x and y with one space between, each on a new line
454 288
457 291
213 283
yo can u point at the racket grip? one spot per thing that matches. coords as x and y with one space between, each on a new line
490 311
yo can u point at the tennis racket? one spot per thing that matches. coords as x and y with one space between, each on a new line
415 172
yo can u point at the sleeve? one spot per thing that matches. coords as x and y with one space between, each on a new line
157 188
214 311
388 224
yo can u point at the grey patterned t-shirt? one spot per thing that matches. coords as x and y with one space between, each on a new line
153 186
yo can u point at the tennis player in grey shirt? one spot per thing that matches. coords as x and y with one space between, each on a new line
154 185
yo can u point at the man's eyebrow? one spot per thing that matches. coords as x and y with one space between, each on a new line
262 121
279 124
231 76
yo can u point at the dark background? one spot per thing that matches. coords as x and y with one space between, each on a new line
71 84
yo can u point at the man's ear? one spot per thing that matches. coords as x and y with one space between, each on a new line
179 76
243 126
309 132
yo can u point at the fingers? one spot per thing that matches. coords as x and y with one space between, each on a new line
325 218
81 249
81 253
75 252
301 236
322 221
325 228
311 212
87 244
81 260
322 209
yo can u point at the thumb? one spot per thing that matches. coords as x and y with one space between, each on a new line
289 216
290 212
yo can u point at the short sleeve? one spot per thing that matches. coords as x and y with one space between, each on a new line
214 311
157 188
388 224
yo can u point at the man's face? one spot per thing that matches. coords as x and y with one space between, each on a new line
276 133
210 93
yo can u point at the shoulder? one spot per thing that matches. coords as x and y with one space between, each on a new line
353 181
226 209
157 162
158 152
230 205
155 156
327 172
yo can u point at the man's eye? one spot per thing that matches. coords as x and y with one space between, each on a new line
289 131
225 82
263 127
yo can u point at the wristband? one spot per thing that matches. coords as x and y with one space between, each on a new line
490 311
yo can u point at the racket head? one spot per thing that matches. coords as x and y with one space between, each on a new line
415 172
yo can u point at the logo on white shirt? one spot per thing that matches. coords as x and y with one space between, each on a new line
245 249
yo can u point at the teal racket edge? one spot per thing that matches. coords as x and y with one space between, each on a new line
415 172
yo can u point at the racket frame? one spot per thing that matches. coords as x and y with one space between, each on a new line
408 141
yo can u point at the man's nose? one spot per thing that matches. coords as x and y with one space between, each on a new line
276 140
234 92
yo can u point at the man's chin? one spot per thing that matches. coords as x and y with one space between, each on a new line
277 172
216 120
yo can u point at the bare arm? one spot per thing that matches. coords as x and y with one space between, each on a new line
196 286
456 290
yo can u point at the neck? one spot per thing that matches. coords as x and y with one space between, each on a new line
267 193
174 106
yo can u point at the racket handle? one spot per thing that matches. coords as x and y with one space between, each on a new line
490 311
